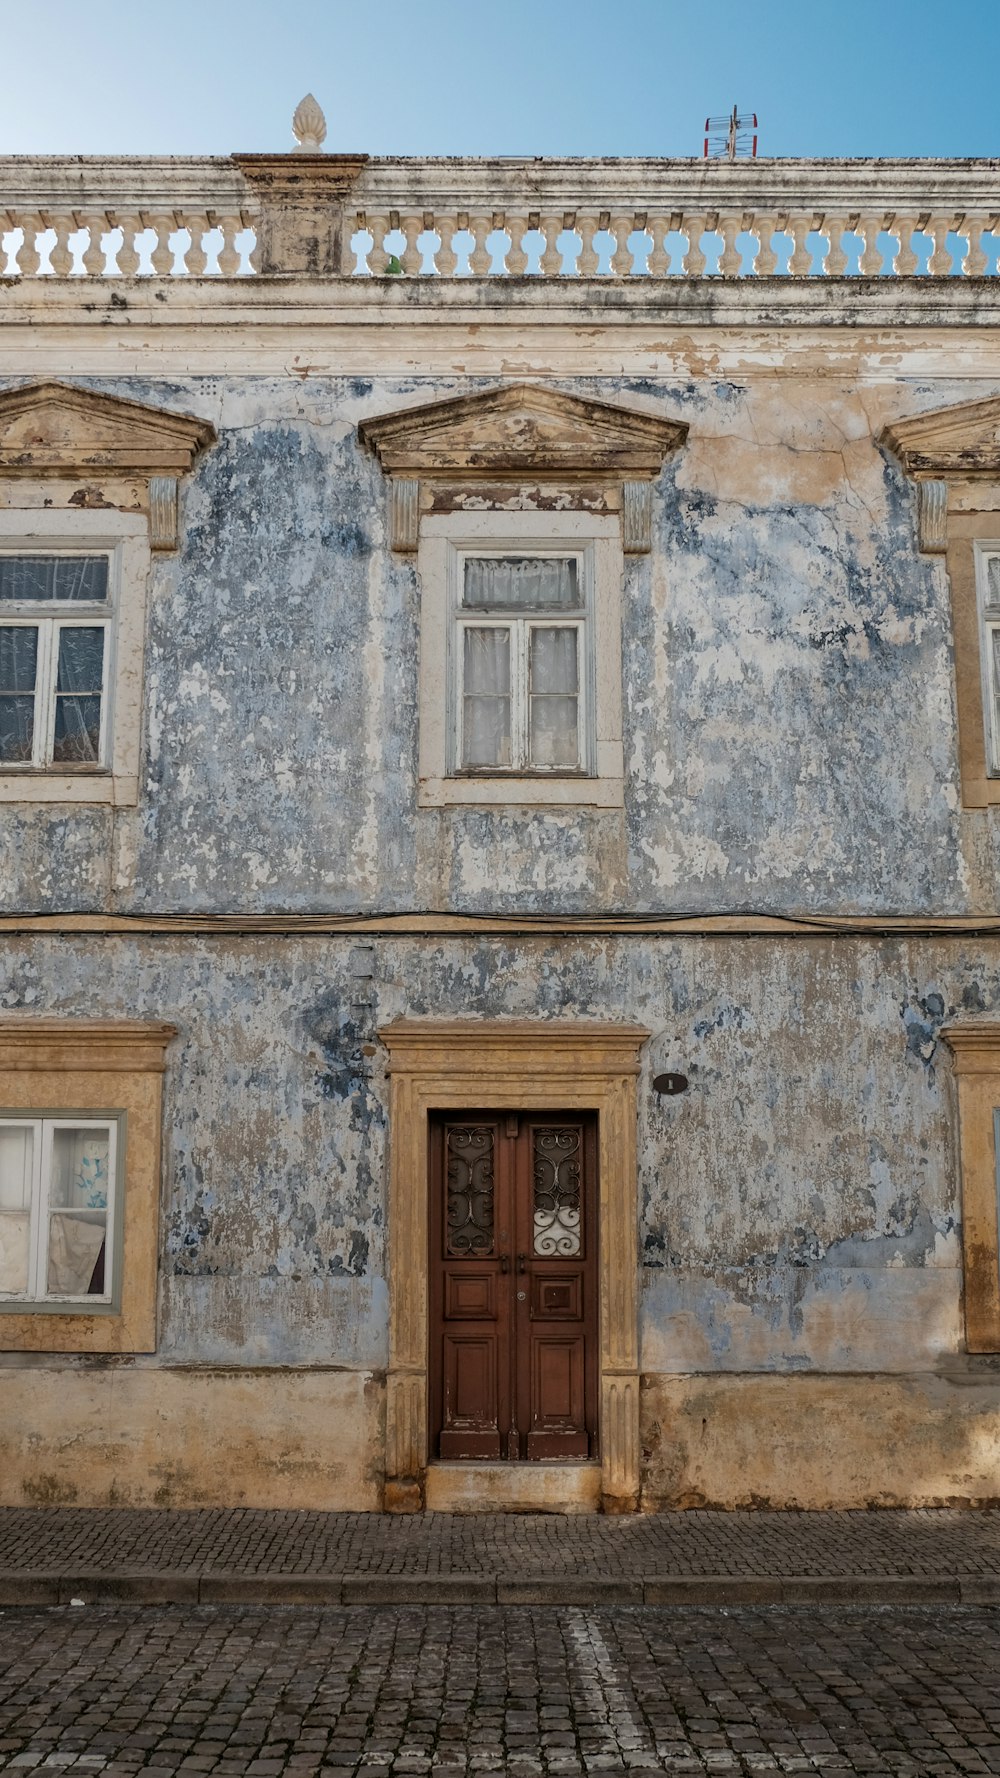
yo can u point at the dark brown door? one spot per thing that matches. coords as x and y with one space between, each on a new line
514 1310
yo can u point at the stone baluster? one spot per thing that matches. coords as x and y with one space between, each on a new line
93 253
446 258
939 265
659 227
378 254
975 260
730 259
127 258
28 258
621 258
765 259
904 260
870 263
517 258
693 265
162 257
196 259
480 258
411 258
60 253
835 258
589 260
229 258
550 264
800 258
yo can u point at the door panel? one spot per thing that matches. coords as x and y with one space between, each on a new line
514 1307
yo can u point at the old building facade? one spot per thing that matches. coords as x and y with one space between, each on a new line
499 742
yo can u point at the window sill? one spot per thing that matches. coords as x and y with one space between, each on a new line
495 792
65 787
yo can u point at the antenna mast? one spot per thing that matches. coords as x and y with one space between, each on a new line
731 138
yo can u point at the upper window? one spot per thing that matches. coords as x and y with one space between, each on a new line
58 1201
55 651
988 592
521 663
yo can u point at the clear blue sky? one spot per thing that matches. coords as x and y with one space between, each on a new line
849 77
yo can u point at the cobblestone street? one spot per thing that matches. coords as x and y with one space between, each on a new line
469 1689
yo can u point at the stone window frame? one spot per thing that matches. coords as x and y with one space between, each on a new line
443 541
86 473
531 467
123 538
94 1068
953 455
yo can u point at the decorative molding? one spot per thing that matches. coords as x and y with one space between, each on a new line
58 429
976 1052
932 517
404 512
163 512
309 125
952 441
637 517
58 1046
468 1063
522 431
870 927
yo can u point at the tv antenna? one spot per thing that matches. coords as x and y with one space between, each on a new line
731 138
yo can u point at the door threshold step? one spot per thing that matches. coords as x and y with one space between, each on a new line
545 1487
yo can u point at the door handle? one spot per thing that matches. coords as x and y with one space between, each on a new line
504 1263
522 1263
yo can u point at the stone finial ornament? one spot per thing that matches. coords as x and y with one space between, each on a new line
309 126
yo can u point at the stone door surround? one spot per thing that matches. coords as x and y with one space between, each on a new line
452 1065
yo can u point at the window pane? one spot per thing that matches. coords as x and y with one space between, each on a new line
78 1202
53 577
486 699
18 662
554 711
994 639
18 657
521 583
78 695
80 1159
16 1153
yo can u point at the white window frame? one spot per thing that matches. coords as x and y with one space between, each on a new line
43 1126
446 540
123 538
520 625
989 624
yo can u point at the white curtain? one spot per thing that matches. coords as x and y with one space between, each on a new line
521 583
53 577
553 719
78 695
18 659
75 1245
15 1230
486 701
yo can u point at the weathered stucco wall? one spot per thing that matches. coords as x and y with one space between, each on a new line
789 715
799 1214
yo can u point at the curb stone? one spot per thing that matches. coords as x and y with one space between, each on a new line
31 1587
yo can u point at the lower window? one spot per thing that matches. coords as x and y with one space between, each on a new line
59 1200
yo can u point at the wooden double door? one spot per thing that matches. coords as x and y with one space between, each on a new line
514 1285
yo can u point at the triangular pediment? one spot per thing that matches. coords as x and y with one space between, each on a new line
59 429
522 431
962 440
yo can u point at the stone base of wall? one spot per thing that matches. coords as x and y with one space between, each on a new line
821 1442
137 1437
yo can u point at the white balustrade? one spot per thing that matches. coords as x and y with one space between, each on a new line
620 220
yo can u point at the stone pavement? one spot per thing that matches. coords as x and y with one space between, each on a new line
54 1555
240 1692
